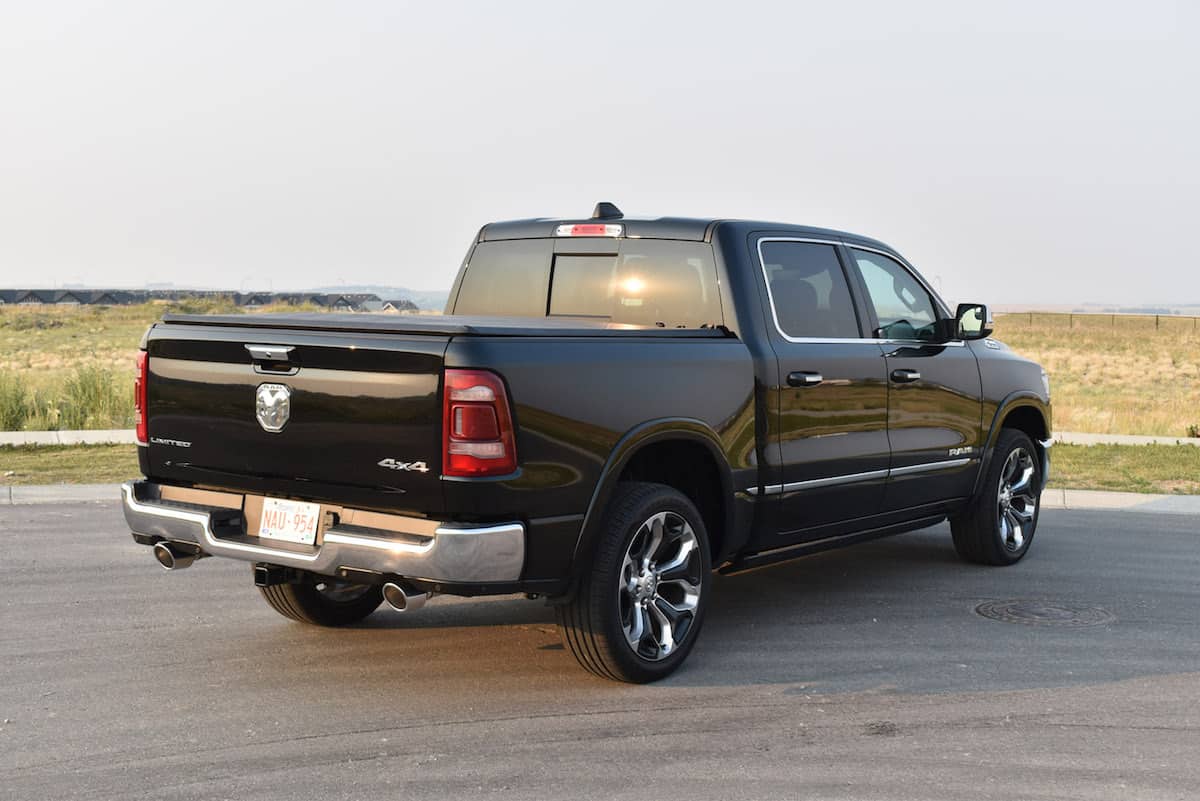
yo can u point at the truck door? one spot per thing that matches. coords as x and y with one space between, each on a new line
831 388
934 394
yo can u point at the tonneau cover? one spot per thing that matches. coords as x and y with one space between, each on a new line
437 325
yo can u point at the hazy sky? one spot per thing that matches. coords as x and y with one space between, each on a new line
1019 151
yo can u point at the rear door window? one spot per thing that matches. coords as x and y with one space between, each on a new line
809 294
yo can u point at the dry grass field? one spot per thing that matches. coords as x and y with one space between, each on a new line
1114 374
71 367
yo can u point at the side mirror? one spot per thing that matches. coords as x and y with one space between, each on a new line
973 321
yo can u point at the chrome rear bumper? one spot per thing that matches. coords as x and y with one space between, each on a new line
433 551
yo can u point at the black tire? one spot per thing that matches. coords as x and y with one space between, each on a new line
592 623
981 533
323 601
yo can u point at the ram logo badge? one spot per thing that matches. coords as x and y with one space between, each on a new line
273 406
415 467
967 451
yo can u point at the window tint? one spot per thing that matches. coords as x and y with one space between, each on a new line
808 290
649 282
654 283
905 310
506 279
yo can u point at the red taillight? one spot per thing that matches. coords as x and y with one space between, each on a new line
589 229
477 427
139 397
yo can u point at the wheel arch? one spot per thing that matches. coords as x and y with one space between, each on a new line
1023 410
652 452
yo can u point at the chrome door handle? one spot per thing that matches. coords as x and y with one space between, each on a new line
802 378
905 376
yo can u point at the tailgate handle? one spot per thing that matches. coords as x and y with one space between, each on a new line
273 359
269 353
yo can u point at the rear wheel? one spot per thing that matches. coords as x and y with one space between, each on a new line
638 610
998 527
323 601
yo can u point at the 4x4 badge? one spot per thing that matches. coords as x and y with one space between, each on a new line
392 464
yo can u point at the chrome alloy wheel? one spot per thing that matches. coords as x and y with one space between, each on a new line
1016 500
660 586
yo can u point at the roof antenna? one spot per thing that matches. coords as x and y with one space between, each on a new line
606 211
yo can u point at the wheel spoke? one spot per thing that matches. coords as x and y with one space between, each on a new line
636 630
1021 485
1024 514
1018 536
677 565
1010 468
654 538
666 632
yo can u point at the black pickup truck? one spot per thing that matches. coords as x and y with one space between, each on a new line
610 410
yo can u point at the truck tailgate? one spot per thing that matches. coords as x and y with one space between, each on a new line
362 422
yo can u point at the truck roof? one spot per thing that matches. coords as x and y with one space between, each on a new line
696 229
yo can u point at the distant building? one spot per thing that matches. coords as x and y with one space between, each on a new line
124 297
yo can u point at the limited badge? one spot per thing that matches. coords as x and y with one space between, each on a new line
273 406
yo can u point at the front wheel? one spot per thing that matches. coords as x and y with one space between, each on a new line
323 601
998 527
638 609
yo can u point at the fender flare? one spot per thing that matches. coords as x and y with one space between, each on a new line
629 445
1014 400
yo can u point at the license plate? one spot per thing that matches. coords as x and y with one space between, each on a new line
290 521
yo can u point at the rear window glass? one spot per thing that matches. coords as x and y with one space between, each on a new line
506 279
648 282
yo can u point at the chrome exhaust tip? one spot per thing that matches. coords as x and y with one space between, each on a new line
404 598
172 557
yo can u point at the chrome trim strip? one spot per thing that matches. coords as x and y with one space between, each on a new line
927 467
851 478
776 489
494 553
847 340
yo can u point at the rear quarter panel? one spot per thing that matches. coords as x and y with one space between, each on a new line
573 401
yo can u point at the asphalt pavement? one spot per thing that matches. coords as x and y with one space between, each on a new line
864 673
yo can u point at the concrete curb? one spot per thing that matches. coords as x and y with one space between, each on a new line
105 437
1078 438
1051 499
1121 501
38 494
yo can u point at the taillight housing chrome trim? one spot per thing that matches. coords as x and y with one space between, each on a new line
139 398
466 457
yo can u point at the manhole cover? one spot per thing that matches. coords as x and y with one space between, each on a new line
1046 613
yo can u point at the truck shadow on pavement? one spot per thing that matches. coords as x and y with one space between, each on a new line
898 614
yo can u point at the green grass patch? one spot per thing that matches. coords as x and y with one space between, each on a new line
67 464
1160 469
